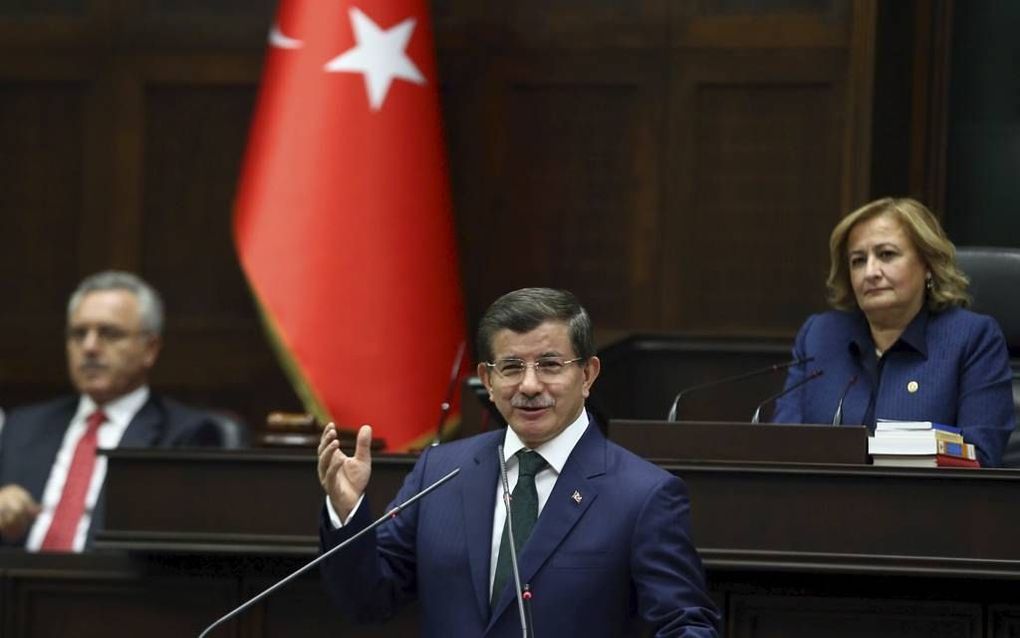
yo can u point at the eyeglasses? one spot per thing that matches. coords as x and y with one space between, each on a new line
547 369
104 334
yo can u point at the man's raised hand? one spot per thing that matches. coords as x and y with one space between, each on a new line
344 478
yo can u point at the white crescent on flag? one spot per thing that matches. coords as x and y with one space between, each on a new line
281 41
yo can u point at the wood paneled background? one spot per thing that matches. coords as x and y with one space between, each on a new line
676 163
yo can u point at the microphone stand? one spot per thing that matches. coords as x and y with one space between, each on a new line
527 627
811 377
837 417
444 407
526 599
671 417
382 519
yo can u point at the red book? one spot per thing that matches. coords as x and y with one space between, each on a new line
948 460
923 460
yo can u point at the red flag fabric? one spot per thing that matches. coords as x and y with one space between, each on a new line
343 221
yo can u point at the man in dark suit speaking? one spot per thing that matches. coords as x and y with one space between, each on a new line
50 475
603 535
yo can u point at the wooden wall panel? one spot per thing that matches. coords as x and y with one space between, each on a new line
197 115
753 279
156 127
224 9
81 606
795 24
200 127
768 130
599 25
574 148
192 26
41 132
756 191
187 246
773 616
677 164
48 8
42 163
1004 621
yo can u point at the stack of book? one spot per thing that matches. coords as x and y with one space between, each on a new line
920 444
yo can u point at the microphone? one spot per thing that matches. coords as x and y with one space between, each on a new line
525 592
737 377
837 418
382 519
811 377
444 407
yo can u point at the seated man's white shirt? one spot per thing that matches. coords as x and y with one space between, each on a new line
119 414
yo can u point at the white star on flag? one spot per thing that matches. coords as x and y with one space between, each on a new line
379 55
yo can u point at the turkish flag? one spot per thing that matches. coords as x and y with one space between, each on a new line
343 219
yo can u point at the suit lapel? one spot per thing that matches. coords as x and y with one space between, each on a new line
36 460
478 493
562 510
145 428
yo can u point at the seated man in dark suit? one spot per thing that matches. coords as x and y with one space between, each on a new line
50 477
602 535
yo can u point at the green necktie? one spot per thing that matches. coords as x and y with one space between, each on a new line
524 509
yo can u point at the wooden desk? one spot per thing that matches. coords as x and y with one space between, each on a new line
790 549
807 516
251 501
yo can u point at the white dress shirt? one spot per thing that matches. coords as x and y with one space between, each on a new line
118 416
555 452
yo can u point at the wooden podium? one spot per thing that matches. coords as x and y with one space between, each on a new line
746 442
792 549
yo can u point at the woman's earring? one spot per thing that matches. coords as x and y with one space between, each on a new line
928 283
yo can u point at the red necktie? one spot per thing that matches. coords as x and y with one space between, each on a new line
67 515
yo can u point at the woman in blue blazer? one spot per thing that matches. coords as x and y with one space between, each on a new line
900 344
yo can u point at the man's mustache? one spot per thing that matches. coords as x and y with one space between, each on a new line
533 402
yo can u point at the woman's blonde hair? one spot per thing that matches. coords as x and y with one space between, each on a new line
948 284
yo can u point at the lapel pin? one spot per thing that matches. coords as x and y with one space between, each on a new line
576 496
912 387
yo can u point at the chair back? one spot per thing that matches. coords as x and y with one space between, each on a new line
233 431
995 288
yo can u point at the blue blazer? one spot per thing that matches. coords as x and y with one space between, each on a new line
595 567
31 438
950 367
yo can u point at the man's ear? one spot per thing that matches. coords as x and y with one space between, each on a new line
483 374
152 348
590 371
